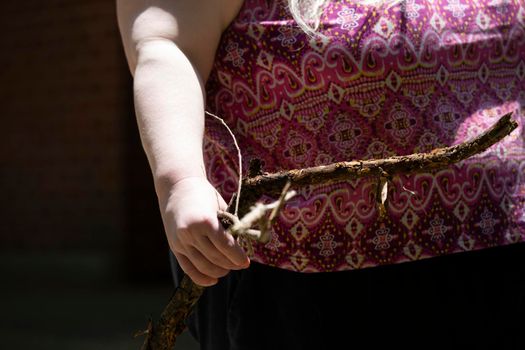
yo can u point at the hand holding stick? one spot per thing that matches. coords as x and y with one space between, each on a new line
162 334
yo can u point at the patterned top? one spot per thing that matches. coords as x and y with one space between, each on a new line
385 81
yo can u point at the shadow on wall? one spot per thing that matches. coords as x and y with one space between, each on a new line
74 176
83 257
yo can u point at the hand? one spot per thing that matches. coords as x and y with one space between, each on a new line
204 250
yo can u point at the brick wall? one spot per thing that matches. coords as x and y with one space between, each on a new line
72 171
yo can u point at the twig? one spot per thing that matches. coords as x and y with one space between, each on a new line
162 335
257 214
239 156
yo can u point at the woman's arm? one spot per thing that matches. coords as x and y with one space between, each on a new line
170 47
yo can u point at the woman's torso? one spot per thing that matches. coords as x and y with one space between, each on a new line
411 78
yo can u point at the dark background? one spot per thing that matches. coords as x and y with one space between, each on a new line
83 257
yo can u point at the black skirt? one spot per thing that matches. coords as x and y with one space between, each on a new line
471 299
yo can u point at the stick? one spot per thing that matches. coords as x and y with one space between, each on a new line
162 335
440 158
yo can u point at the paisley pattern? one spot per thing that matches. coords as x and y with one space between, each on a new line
383 81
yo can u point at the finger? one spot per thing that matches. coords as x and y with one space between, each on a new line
204 265
227 245
195 275
208 249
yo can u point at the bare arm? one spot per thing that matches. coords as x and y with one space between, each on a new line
170 46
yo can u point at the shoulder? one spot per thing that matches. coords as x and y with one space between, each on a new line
194 26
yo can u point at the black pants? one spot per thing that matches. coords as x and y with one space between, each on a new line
472 299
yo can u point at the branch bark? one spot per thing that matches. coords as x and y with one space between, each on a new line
162 335
271 184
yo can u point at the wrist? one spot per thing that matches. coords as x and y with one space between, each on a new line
167 182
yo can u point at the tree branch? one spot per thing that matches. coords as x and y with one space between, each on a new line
162 335
271 184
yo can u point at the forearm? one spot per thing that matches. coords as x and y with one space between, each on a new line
169 105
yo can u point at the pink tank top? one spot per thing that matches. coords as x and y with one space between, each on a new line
411 78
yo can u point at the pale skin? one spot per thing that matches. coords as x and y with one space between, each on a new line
170 46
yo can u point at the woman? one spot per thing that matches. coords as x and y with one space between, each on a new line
303 83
